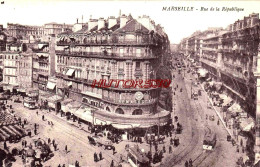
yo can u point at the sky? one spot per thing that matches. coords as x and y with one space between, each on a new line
177 24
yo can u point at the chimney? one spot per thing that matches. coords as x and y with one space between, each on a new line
123 21
146 22
92 23
111 21
101 23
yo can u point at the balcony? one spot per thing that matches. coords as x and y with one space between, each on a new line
138 72
209 49
89 82
121 71
108 70
129 102
124 56
40 51
114 41
46 61
75 90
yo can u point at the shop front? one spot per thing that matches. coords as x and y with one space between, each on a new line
54 102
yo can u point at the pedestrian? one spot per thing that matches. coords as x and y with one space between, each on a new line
35 131
164 150
35 126
59 165
63 165
112 163
66 149
96 157
170 149
5 145
241 142
238 149
100 156
218 122
190 163
171 141
114 150
55 147
43 117
25 143
186 164
53 141
37 115
156 147
49 140
76 164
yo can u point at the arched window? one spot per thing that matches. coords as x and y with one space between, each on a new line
137 112
120 111
107 108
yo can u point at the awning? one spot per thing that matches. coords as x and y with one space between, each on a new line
51 85
70 72
235 108
202 72
257 160
21 90
247 124
55 98
84 113
249 127
99 122
226 99
122 126
64 104
72 107
70 83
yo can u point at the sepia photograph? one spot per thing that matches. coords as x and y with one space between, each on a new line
129 83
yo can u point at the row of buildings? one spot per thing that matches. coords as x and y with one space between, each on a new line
22 31
231 56
64 68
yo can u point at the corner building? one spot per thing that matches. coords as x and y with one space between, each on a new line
117 48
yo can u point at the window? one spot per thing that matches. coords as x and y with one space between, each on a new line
120 111
137 112
121 51
138 52
138 65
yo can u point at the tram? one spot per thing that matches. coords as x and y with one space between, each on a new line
137 158
29 103
209 141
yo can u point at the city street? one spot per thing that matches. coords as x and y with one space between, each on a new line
192 115
65 134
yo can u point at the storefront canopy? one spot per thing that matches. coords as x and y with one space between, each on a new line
202 72
51 85
55 98
247 124
72 107
84 113
70 72
235 108
226 99
122 126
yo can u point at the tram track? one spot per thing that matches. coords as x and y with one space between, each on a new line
61 126
176 159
